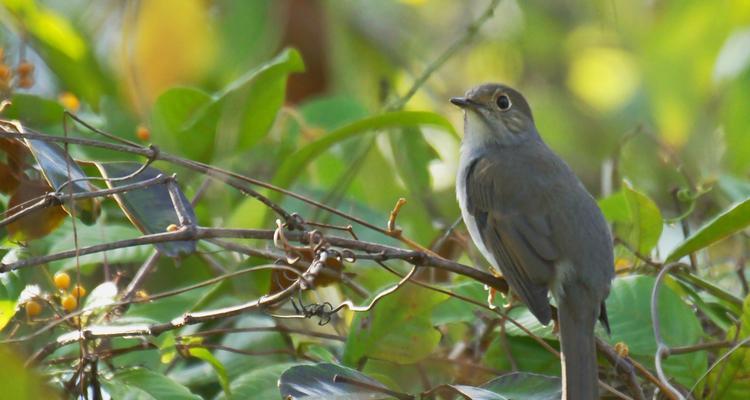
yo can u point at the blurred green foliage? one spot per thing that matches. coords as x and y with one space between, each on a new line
647 101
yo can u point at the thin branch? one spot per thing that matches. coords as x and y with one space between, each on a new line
471 31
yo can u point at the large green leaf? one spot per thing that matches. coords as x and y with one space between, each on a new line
373 333
290 169
92 235
250 104
730 221
629 309
144 384
173 126
637 218
34 111
308 382
731 380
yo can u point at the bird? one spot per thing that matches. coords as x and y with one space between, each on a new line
533 219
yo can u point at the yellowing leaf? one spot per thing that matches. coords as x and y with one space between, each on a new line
173 44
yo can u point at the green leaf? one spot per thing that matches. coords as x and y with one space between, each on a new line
250 104
150 209
57 166
144 384
516 385
308 382
218 367
34 110
175 127
457 310
92 235
732 220
629 309
732 379
292 165
261 383
637 218
409 309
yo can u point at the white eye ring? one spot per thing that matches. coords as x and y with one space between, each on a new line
503 102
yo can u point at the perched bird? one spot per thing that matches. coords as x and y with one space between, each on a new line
532 218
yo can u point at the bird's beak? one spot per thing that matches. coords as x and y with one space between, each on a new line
463 102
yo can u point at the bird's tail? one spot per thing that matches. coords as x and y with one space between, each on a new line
579 368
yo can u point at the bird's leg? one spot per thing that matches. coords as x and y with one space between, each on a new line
492 292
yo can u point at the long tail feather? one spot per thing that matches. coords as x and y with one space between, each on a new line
579 369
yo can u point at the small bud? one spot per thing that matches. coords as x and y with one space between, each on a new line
172 228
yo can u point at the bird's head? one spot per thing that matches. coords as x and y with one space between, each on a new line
496 113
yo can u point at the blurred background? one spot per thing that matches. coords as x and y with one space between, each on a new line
656 92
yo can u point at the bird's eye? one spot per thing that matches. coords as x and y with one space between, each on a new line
503 102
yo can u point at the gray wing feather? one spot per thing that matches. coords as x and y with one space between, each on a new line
520 244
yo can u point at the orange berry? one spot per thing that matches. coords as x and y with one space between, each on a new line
25 69
69 303
172 228
143 133
78 291
69 101
5 73
62 280
33 308
25 82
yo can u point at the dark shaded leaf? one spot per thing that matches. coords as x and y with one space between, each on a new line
308 382
58 168
150 209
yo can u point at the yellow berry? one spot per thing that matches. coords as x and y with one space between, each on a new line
69 101
78 291
143 133
172 228
622 349
25 69
69 303
33 308
62 280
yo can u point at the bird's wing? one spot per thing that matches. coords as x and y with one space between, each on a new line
520 242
